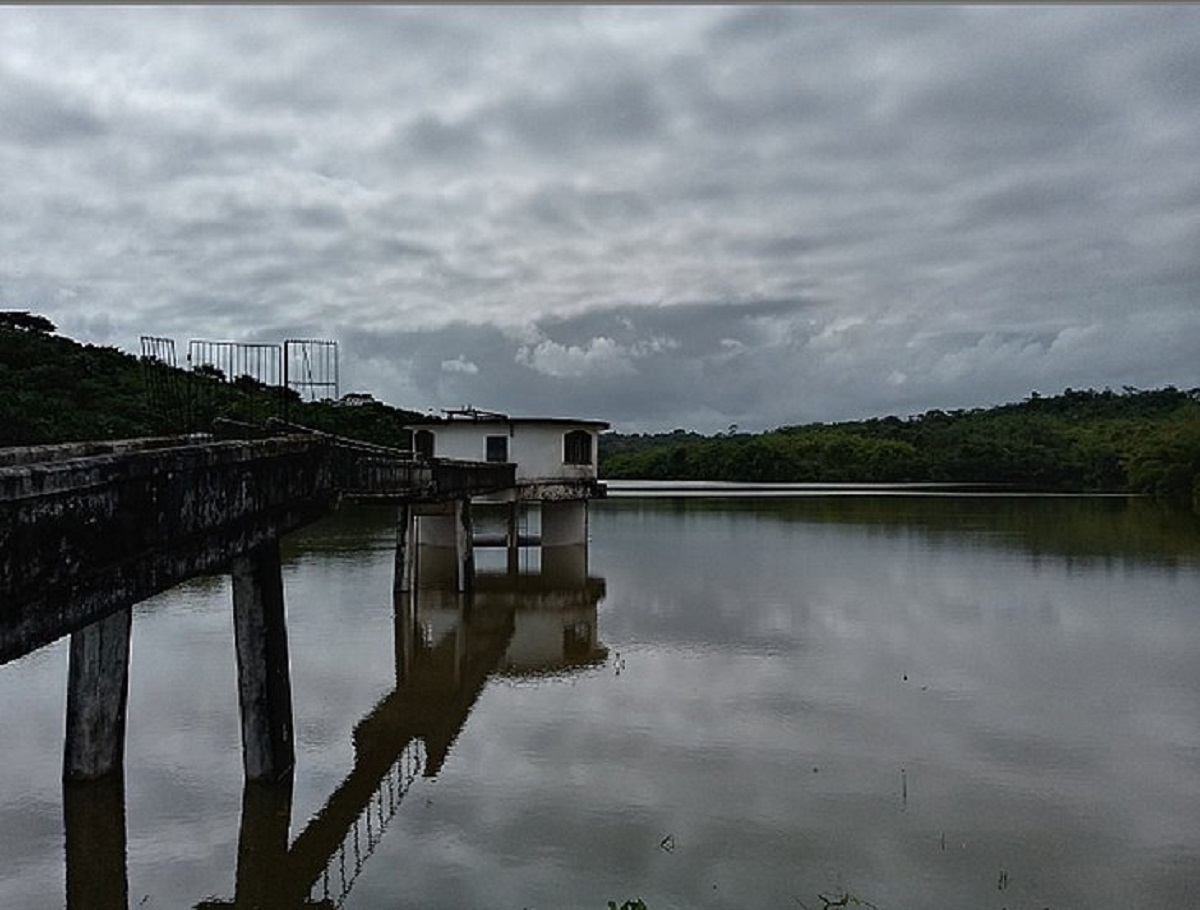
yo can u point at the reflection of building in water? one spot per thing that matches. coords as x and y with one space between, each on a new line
553 610
536 623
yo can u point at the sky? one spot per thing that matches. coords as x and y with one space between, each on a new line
663 217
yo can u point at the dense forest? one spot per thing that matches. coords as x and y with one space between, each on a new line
54 389
1133 440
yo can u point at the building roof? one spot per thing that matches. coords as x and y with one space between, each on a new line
469 415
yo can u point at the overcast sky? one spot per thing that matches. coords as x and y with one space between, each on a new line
662 217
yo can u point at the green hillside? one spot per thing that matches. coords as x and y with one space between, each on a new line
54 389
1133 440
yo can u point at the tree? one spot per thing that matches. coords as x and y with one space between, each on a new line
24 321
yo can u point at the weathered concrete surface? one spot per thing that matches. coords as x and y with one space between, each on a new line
380 477
549 491
449 526
264 676
97 695
89 528
44 454
82 537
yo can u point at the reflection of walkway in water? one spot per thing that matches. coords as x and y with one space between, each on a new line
447 646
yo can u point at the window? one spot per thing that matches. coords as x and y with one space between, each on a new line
423 443
497 448
577 447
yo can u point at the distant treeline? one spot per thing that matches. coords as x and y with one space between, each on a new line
53 389
1129 441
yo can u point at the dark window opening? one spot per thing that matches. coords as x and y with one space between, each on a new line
577 447
497 448
423 443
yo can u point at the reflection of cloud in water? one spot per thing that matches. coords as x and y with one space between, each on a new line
902 707
447 645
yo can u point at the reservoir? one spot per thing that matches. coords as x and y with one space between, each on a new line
732 698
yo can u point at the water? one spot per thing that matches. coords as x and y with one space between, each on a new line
913 701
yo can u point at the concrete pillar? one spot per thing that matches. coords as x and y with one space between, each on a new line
97 694
404 578
512 538
94 823
564 523
449 526
464 546
437 524
264 681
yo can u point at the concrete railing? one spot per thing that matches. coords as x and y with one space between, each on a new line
83 536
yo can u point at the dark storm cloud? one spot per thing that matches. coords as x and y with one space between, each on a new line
659 215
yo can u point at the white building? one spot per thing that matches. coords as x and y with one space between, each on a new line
556 475
555 457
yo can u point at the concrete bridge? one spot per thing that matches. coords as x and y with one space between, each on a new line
89 529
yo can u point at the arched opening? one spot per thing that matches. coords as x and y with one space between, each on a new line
423 443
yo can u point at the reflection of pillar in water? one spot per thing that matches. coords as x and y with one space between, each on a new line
97 695
94 818
565 565
262 860
440 608
405 623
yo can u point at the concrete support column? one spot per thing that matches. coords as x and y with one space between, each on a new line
564 523
404 578
464 544
97 694
264 680
449 526
512 537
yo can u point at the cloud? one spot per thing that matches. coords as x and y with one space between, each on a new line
460 365
665 216
599 357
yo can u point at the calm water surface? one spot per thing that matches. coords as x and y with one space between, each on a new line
912 701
